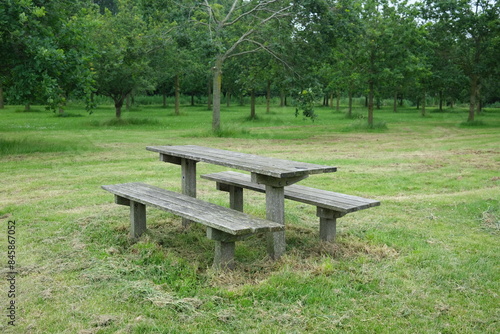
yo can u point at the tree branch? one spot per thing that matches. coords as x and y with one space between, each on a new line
233 7
238 42
251 31
253 10
211 12
245 52
271 52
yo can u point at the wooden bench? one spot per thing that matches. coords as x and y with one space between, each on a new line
274 173
329 205
224 225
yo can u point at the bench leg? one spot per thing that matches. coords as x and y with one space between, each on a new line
327 224
137 219
224 255
224 248
275 211
327 229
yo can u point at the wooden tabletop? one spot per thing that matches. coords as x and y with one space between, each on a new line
278 168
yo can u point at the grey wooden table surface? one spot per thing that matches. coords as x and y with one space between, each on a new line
274 173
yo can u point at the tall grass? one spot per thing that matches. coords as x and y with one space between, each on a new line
28 146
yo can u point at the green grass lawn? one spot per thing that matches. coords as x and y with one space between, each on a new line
426 261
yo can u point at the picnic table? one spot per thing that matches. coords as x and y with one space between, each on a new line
275 174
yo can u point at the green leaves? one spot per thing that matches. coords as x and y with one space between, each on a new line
44 49
304 102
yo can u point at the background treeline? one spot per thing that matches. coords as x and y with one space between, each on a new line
51 51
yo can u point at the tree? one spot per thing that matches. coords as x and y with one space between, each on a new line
382 48
474 27
345 63
176 56
229 25
45 51
123 63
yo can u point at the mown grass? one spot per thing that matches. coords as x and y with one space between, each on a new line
425 261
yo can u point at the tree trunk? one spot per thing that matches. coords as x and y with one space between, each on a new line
479 104
424 100
164 97
268 97
282 98
395 105
252 105
1 98
192 99
127 102
118 106
216 95
473 94
228 99
349 107
371 88
338 101
209 94
440 100
177 95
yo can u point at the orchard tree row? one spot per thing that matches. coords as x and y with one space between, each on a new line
51 50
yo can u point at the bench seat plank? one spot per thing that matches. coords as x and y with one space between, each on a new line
322 198
209 214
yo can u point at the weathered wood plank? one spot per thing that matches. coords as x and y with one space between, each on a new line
137 219
188 170
275 211
209 214
236 198
326 199
274 167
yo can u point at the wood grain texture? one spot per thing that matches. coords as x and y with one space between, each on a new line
249 162
321 198
209 214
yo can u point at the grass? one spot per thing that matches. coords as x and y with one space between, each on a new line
425 261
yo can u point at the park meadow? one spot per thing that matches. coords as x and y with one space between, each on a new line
427 260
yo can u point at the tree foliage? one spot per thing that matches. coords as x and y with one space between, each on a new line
45 51
55 50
